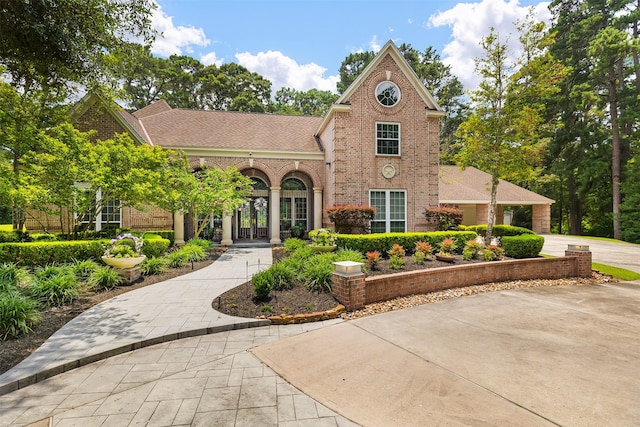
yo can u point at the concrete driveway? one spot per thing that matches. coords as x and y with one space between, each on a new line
529 357
623 255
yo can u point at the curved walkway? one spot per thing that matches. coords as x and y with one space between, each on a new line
539 356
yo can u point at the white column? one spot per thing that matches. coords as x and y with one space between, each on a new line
178 228
226 229
317 208
274 213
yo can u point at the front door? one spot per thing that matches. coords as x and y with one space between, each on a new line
253 219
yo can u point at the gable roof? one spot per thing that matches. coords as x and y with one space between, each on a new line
433 109
183 128
472 186
121 116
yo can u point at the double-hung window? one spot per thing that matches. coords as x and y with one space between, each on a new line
391 210
387 139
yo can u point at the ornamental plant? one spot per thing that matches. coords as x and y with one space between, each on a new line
447 246
422 252
126 245
373 259
396 257
322 237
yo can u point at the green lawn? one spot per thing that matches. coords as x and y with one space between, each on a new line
618 273
5 227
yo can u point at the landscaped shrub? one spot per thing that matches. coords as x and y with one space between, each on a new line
152 266
204 244
396 257
523 246
262 284
16 276
84 269
193 253
499 230
444 218
318 271
302 253
351 219
104 278
373 258
18 315
349 255
292 244
165 234
46 253
155 246
282 276
383 242
421 252
53 289
177 259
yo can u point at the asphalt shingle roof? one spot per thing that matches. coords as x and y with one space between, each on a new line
229 129
471 185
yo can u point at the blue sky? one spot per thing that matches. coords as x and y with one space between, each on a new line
301 43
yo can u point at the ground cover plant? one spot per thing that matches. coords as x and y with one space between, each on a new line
36 302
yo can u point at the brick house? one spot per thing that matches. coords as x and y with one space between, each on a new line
377 145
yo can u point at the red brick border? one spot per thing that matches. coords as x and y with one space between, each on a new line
356 291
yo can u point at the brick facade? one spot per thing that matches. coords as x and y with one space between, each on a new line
351 146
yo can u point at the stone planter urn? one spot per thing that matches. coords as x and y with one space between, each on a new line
330 248
446 258
125 262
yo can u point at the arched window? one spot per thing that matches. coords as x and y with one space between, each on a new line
294 207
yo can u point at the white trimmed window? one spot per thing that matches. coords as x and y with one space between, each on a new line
387 139
391 210
109 217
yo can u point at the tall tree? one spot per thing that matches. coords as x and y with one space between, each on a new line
597 106
67 40
313 102
505 133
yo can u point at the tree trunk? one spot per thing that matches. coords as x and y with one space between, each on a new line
615 154
575 207
492 208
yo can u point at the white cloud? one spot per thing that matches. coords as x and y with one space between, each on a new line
375 45
283 71
172 40
211 59
470 22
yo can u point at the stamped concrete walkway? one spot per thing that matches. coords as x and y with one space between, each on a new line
177 308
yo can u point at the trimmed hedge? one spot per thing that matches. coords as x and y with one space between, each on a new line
68 251
499 230
154 246
165 234
48 253
384 242
523 246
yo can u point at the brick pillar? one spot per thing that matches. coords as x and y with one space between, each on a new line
541 219
348 289
482 214
583 255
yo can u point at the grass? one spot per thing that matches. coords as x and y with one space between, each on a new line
6 227
619 273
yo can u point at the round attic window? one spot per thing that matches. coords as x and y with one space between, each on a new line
388 94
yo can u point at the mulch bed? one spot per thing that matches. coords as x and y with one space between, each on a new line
240 301
13 351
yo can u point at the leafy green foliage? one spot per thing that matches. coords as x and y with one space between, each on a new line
153 265
262 284
193 253
292 244
351 219
522 246
383 242
12 274
317 273
44 253
54 286
313 102
18 315
445 218
155 247
177 259
104 278
84 269
204 244
282 275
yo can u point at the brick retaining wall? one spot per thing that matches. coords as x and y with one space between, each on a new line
355 291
